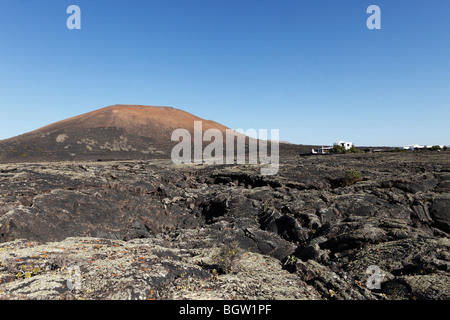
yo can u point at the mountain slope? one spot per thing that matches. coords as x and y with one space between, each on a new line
111 133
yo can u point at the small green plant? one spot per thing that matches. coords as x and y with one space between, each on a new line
435 148
290 263
292 258
23 271
332 293
351 177
337 149
353 150
228 257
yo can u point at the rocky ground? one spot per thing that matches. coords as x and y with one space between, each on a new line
153 230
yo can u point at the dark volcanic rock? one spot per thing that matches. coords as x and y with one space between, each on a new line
440 212
99 213
285 225
421 183
151 229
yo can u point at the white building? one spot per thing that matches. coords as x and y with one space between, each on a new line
325 150
347 145
418 146
413 147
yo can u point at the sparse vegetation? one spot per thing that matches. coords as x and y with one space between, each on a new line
435 148
228 257
16 268
337 149
354 150
397 149
351 177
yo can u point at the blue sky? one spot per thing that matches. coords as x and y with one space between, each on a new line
310 68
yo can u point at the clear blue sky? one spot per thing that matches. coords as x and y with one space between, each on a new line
309 68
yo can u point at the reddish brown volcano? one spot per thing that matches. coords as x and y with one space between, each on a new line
146 121
115 132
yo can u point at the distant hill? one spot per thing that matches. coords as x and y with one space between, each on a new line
111 133
118 132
